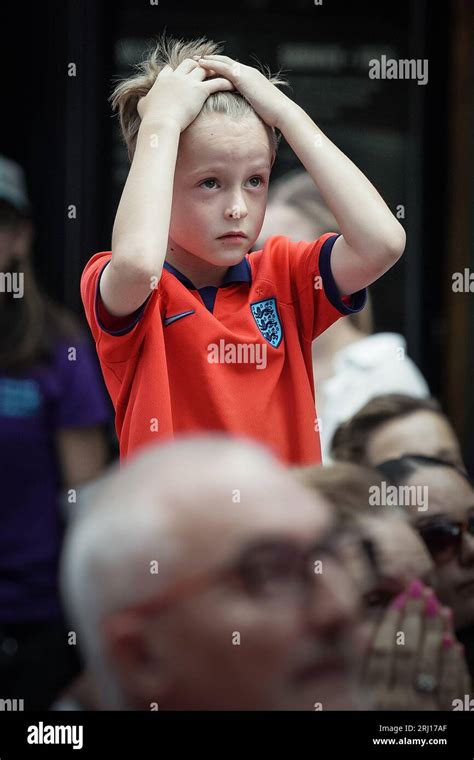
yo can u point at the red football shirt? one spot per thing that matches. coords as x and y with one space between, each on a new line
236 358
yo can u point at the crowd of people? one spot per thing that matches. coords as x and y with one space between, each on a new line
205 575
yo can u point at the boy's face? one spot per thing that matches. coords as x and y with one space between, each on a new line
220 186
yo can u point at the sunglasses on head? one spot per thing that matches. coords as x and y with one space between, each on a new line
443 537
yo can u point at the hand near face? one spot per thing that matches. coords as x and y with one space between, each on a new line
414 661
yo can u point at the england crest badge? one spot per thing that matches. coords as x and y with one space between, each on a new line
268 322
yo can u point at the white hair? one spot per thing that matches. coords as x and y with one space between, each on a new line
125 522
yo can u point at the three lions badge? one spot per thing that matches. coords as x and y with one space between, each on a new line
268 322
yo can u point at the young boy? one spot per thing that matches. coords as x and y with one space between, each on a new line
193 332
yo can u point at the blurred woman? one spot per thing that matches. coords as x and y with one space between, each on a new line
52 412
447 529
426 670
393 425
351 364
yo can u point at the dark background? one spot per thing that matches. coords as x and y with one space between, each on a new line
414 142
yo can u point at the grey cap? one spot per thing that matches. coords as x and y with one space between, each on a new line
13 184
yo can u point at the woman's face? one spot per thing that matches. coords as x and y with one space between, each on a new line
423 432
450 502
401 557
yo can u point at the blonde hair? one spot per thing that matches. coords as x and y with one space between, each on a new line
169 51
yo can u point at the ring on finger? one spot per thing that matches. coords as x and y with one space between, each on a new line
426 682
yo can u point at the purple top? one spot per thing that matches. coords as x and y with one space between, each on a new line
66 393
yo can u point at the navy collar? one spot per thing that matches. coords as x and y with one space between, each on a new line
238 273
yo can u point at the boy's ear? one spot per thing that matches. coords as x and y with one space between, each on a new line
134 660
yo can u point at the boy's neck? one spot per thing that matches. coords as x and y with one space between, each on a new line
200 272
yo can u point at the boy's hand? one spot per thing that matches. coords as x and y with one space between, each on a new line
178 95
267 100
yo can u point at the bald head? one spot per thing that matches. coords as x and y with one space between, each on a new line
182 511
204 494
186 506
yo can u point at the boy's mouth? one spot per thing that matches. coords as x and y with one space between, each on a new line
235 234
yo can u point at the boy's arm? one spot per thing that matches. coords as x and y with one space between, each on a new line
372 239
140 233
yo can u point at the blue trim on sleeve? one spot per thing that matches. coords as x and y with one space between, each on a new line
136 315
358 299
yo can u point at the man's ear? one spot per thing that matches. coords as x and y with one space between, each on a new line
132 656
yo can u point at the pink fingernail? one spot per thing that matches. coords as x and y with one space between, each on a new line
448 614
431 606
399 602
447 641
415 589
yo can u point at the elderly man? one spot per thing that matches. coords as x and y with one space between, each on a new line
202 577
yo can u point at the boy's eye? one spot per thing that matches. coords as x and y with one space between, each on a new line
211 179
211 182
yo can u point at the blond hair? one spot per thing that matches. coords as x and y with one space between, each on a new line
169 51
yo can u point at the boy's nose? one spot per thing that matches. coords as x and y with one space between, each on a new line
236 211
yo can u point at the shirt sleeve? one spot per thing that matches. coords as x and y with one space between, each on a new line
317 297
82 400
116 338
